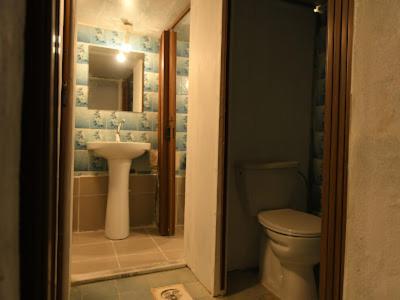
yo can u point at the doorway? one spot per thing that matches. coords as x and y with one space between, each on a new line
121 59
33 214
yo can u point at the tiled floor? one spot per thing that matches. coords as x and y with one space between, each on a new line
243 285
94 256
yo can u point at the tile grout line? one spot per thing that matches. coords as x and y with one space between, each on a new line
115 254
159 248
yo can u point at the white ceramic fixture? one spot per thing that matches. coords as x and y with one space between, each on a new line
289 252
291 238
119 156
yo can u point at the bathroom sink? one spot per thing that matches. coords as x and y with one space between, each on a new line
118 150
119 156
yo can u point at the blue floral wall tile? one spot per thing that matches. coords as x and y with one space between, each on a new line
145 124
82 53
150 82
97 119
182 66
182 104
319 118
180 162
182 49
151 62
82 73
81 95
182 85
98 36
101 125
150 101
181 141
81 162
181 122
318 140
142 164
85 33
96 163
80 140
113 39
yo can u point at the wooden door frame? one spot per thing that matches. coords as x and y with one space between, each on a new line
39 152
336 134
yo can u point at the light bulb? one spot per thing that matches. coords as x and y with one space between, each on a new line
121 57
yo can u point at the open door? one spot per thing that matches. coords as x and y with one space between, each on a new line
166 133
204 198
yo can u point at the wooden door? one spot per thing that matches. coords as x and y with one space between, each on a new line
166 133
336 130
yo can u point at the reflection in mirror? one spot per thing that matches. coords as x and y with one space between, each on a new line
115 80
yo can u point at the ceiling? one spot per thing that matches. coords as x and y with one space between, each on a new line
149 17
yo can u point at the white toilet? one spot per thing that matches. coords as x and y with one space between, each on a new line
290 243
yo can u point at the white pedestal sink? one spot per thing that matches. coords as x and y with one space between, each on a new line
119 156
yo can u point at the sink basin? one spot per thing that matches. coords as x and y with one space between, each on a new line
119 156
118 150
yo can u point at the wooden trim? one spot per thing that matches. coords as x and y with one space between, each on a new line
39 152
340 23
222 147
166 134
180 17
172 131
66 155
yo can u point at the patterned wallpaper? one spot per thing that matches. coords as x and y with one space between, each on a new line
318 113
93 125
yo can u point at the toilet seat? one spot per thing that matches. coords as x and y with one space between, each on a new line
291 222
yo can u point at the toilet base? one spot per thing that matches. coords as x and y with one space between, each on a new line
298 283
286 281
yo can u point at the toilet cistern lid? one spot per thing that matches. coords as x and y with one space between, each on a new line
291 222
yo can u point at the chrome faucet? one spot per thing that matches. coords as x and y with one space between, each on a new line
117 136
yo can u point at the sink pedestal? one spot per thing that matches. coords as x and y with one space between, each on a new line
117 213
119 156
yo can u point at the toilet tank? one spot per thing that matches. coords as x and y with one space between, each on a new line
271 185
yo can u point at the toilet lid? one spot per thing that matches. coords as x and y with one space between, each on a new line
291 222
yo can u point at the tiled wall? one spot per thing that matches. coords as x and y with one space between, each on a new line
318 113
182 72
90 198
101 124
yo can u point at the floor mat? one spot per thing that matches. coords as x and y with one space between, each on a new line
171 292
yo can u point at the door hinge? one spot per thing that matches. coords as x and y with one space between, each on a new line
64 94
169 133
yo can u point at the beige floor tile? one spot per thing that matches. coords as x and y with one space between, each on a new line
196 290
92 251
135 246
169 243
139 260
174 254
89 237
91 266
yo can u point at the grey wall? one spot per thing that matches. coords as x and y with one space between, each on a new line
270 91
372 265
12 16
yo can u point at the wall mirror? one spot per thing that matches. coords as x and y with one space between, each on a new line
115 80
